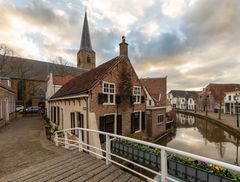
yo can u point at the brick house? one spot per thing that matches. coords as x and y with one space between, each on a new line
212 96
108 98
155 89
7 101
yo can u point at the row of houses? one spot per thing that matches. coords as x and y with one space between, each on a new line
214 98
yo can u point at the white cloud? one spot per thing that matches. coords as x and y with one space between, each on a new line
173 8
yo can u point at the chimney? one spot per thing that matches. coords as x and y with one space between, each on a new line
123 46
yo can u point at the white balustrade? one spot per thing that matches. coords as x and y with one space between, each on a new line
163 174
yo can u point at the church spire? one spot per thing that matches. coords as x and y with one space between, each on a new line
86 40
86 57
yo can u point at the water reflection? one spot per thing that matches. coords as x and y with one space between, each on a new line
200 137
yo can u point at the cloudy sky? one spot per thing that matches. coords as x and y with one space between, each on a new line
193 42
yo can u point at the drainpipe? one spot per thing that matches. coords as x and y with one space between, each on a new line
87 117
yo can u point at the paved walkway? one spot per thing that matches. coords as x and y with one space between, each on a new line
74 166
22 145
230 120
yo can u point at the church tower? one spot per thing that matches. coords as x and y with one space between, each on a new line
86 56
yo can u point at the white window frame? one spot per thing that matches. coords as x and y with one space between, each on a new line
137 94
158 119
109 93
140 121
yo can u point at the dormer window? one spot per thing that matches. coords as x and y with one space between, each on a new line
137 94
109 90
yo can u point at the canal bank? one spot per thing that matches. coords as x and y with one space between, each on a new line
225 122
202 137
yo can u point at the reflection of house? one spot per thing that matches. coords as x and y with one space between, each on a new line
54 83
213 95
155 89
184 120
230 105
7 101
181 99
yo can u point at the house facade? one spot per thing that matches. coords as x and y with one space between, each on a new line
212 97
54 83
181 99
7 101
108 98
155 89
231 102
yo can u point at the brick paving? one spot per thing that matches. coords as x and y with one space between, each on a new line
22 145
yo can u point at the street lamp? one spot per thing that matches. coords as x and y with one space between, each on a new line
236 98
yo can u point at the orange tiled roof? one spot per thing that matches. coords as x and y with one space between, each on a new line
155 87
87 80
61 80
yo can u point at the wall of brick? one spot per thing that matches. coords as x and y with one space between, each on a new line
154 129
125 108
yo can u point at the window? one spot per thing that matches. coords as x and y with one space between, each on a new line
160 118
137 94
229 97
109 90
137 121
72 122
150 102
182 100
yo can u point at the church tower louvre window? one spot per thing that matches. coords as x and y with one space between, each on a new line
86 57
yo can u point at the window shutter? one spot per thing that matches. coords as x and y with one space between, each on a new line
118 99
100 98
142 99
119 124
143 120
132 123
102 127
132 99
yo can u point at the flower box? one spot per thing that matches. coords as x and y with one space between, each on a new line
191 174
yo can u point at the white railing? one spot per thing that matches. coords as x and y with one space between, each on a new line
81 145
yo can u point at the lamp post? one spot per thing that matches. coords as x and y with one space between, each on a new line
237 99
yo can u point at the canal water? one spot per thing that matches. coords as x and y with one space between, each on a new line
200 137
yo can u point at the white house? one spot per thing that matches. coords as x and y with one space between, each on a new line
230 102
54 83
181 99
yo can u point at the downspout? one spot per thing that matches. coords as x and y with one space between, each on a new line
87 117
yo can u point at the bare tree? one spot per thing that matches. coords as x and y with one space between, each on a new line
60 66
25 73
5 56
219 102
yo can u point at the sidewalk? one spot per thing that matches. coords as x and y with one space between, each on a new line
226 120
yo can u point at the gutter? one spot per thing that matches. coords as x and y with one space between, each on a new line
69 97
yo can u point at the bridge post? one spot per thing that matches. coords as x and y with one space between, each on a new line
80 147
108 150
56 138
163 165
66 140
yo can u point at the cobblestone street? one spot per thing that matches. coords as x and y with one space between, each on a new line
22 145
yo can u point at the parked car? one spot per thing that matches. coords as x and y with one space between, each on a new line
19 108
33 109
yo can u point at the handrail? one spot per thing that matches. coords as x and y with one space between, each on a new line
163 149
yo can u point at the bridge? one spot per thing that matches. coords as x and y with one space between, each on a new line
122 158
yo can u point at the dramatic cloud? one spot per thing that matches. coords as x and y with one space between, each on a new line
193 42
